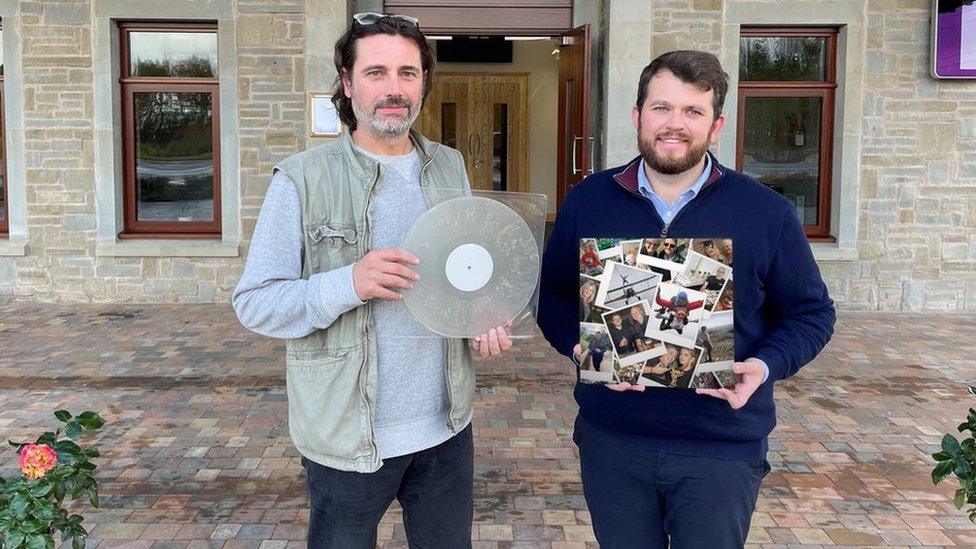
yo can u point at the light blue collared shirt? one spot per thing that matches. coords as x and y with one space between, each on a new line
669 211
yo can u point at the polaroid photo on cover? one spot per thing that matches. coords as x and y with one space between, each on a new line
668 255
712 249
627 327
589 310
701 273
705 275
724 302
728 378
679 312
589 259
629 249
628 373
622 285
717 375
674 369
716 338
596 358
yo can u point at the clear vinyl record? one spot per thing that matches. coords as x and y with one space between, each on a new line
479 266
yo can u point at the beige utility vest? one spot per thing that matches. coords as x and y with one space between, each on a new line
331 373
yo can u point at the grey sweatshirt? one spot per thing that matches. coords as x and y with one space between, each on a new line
272 299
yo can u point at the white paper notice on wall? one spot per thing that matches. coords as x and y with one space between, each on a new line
325 120
967 50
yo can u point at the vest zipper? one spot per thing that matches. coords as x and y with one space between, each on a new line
367 242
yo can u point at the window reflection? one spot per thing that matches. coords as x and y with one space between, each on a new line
781 148
783 58
499 148
174 156
449 124
173 54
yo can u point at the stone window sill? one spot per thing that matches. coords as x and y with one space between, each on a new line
828 251
166 248
16 247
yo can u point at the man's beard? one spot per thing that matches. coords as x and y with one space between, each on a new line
386 126
667 165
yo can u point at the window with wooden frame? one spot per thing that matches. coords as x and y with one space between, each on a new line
785 133
4 210
171 130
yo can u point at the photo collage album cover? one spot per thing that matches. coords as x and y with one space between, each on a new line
657 312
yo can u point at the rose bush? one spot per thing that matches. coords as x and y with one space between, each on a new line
32 506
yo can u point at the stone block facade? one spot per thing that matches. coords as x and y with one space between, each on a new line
914 180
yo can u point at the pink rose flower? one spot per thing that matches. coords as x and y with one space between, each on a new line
36 460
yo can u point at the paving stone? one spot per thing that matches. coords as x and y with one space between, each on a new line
196 454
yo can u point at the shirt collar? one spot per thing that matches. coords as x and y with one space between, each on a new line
647 190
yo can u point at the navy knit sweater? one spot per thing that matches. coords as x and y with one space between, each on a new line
783 314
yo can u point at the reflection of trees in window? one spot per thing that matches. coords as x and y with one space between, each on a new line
195 66
171 124
782 58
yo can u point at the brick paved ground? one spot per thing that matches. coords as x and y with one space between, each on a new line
196 451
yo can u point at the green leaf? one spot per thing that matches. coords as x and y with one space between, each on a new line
92 452
48 438
37 541
962 468
58 491
960 498
40 490
62 415
963 427
13 540
90 420
941 471
941 456
93 498
67 446
44 513
18 505
950 445
73 430
78 542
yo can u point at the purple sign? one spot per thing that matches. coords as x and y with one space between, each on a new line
954 39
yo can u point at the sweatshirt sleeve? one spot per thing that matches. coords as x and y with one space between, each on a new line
797 301
271 297
559 290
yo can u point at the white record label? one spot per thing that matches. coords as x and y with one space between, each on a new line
469 267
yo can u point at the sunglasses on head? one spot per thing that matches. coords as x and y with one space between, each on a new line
369 18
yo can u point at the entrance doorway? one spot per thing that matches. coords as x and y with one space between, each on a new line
485 116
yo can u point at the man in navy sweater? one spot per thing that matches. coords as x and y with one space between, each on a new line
678 467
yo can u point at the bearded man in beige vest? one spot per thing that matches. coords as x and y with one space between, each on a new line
375 416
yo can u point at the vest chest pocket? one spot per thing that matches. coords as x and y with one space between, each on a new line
333 245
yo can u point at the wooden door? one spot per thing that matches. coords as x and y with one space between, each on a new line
574 143
485 116
446 117
503 121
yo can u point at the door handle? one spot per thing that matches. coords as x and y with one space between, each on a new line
591 155
576 138
474 148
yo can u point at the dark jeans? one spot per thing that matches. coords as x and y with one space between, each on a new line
433 486
640 498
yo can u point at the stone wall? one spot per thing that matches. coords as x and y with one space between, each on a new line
61 262
914 176
916 239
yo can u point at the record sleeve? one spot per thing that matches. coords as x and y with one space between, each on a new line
657 312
